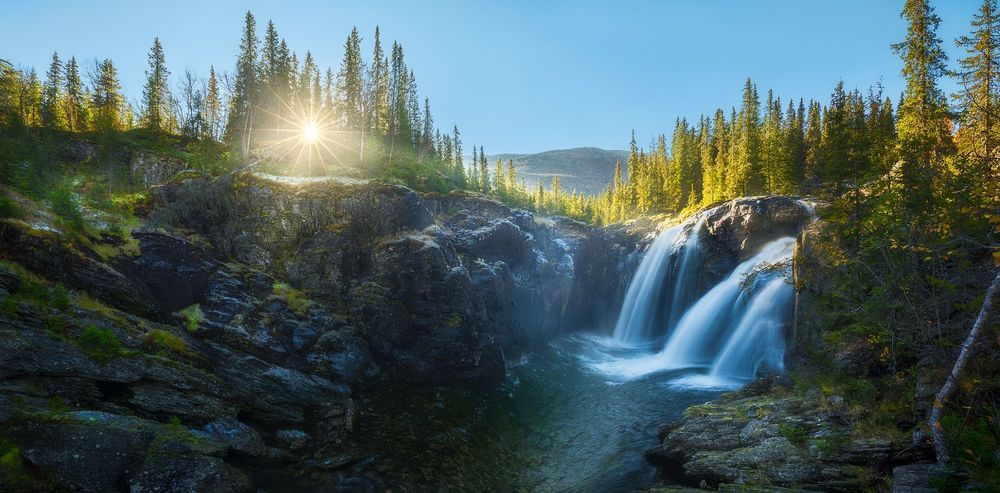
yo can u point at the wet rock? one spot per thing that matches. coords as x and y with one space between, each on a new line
914 478
165 473
239 436
743 225
292 439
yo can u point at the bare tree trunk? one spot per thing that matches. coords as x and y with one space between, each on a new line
937 433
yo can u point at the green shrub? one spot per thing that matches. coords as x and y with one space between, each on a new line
10 457
66 204
10 209
100 344
59 297
191 317
57 405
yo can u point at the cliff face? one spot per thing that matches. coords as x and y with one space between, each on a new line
226 337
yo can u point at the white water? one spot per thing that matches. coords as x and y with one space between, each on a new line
728 336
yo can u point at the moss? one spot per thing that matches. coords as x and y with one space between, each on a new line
100 344
162 340
10 209
453 321
794 433
56 405
88 303
192 317
59 297
297 301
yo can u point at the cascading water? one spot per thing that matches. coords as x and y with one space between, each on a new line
734 331
660 292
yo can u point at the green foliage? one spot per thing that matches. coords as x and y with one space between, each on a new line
297 301
191 317
10 209
66 204
159 339
59 297
794 433
10 457
974 443
56 405
100 344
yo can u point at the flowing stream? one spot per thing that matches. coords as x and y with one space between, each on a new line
578 415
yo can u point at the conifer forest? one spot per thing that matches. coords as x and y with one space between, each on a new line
285 270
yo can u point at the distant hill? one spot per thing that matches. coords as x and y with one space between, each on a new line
587 169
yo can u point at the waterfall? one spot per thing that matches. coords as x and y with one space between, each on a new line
733 332
660 291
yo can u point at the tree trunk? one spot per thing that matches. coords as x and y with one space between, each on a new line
937 410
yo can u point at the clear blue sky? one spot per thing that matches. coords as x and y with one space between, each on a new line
518 76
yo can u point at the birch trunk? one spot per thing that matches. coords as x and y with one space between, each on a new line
937 411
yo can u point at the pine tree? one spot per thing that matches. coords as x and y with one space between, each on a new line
745 178
474 170
427 135
350 83
76 102
457 164
499 180
813 165
378 89
53 109
30 99
245 90
108 102
213 105
720 131
979 103
484 173
922 123
157 104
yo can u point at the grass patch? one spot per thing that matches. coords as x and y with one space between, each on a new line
162 340
297 301
101 345
191 317
10 209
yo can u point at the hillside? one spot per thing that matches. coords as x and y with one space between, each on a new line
587 169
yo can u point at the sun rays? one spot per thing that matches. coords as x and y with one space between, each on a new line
303 139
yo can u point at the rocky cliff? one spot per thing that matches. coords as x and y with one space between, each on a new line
220 344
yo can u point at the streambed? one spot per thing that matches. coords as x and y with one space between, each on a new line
557 423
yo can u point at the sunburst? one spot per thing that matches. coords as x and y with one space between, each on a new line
303 139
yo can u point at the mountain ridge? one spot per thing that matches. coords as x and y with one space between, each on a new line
584 169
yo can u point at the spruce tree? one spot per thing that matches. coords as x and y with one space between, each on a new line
979 103
108 102
245 90
53 109
922 124
350 83
213 105
484 173
745 177
378 89
157 105
76 102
